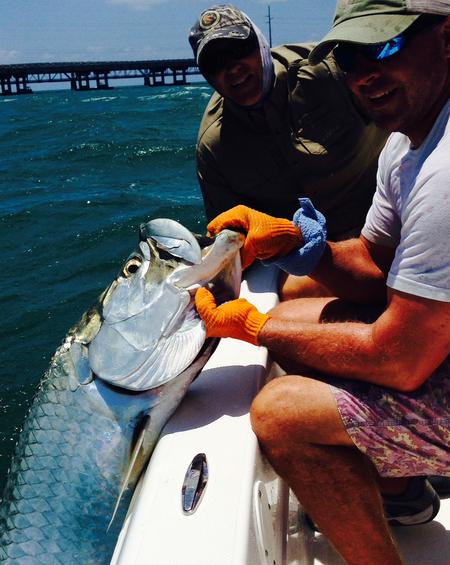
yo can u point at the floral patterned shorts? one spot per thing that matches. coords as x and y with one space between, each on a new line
403 434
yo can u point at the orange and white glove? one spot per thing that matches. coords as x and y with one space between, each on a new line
237 318
267 236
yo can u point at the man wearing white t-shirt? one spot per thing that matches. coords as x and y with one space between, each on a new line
366 403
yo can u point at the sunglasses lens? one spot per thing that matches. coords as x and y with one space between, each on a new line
212 65
384 50
345 57
243 50
216 59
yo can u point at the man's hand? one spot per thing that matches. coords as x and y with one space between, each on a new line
266 236
237 318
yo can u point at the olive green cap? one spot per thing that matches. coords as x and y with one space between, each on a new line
374 21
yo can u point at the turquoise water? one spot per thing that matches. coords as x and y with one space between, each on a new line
79 172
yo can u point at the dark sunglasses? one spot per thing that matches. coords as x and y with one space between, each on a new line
217 58
347 54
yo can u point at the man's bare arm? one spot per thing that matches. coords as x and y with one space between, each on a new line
400 350
355 269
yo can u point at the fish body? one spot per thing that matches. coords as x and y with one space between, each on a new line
109 390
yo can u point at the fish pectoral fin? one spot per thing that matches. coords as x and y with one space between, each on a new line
132 467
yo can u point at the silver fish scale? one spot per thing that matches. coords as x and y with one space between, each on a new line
62 475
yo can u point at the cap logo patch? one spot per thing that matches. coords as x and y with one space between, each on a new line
209 19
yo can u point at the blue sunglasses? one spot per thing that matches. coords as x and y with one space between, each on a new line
346 55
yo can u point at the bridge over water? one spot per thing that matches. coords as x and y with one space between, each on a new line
16 79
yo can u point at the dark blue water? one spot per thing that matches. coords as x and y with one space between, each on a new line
79 172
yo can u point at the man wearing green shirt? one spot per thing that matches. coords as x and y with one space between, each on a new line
278 128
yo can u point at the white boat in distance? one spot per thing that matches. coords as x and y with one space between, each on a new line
234 509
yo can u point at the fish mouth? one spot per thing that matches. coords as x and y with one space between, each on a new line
225 245
172 237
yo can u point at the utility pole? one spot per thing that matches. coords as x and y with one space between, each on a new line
269 21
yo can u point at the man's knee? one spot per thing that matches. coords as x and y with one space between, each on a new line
296 410
268 410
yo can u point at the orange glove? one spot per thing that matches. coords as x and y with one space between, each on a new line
237 318
266 236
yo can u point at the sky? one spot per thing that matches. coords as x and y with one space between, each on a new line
35 31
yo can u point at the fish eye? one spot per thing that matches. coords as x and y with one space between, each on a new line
131 267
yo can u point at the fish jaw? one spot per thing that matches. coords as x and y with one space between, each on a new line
222 255
173 238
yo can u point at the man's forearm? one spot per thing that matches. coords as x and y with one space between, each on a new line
345 350
349 271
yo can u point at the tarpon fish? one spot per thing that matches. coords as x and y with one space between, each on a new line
110 388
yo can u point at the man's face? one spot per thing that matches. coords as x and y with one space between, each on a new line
239 78
406 92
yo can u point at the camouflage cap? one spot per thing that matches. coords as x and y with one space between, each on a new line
223 21
374 21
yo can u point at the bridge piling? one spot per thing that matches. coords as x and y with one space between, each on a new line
21 85
82 81
179 77
19 82
102 81
158 78
6 87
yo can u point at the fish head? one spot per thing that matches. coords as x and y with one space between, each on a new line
150 331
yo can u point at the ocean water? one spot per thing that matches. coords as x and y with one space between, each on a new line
79 172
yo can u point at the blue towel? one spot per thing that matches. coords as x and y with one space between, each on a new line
312 224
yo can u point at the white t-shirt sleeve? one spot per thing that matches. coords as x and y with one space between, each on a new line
382 225
421 264
411 211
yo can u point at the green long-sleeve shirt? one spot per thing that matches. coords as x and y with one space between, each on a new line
308 139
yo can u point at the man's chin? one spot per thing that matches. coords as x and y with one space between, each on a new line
244 102
387 122
246 95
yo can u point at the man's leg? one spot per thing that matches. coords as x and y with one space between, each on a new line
332 309
291 287
327 310
301 433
